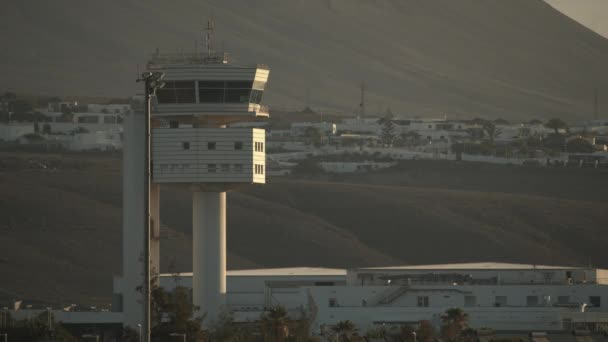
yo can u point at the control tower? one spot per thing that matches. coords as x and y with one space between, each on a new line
191 144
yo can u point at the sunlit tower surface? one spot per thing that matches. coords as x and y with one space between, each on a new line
191 144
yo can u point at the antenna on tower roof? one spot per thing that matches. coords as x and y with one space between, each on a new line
210 27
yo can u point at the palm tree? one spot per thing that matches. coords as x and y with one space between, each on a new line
344 330
275 324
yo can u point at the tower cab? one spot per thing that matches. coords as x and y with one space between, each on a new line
202 94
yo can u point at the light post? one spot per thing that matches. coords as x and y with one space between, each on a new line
177 335
5 337
414 334
91 336
49 319
139 335
152 82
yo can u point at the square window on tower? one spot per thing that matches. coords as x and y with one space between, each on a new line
211 145
238 145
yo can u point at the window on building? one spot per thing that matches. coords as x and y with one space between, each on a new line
595 301
423 301
225 92
470 301
500 300
211 168
185 145
164 168
563 299
211 145
261 169
211 91
238 145
225 167
238 167
333 302
531 300
261 147
177 92
173 124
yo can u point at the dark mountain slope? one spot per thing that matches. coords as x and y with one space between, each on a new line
513 59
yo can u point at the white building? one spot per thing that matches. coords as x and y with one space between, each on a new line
14 131
504 297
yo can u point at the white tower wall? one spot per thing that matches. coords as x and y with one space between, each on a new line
209 252
133 217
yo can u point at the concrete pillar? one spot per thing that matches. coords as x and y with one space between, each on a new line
133 218
209 252
155 229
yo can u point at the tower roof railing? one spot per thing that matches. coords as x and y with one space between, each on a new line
159 60
188 58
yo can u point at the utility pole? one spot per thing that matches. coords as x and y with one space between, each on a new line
362 103
152 82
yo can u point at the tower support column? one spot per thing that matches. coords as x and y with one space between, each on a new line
209 252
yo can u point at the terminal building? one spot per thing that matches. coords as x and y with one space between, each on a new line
503 297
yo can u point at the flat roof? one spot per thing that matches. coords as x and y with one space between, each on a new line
472 266
288 271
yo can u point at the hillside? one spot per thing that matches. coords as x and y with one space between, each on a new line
61 225
517 59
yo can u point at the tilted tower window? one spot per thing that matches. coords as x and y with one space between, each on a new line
177 92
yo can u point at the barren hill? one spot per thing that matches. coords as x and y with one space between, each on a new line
511 59
60 221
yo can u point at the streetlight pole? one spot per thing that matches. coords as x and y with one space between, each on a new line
139 335
5 337
152 82
414 334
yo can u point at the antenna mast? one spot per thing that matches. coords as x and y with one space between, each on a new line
210 37
362 104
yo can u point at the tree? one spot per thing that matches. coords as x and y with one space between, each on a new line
224 329
344 330
556 124
388 133
425 332
173 312
274 324
38 329
455 321
491 131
